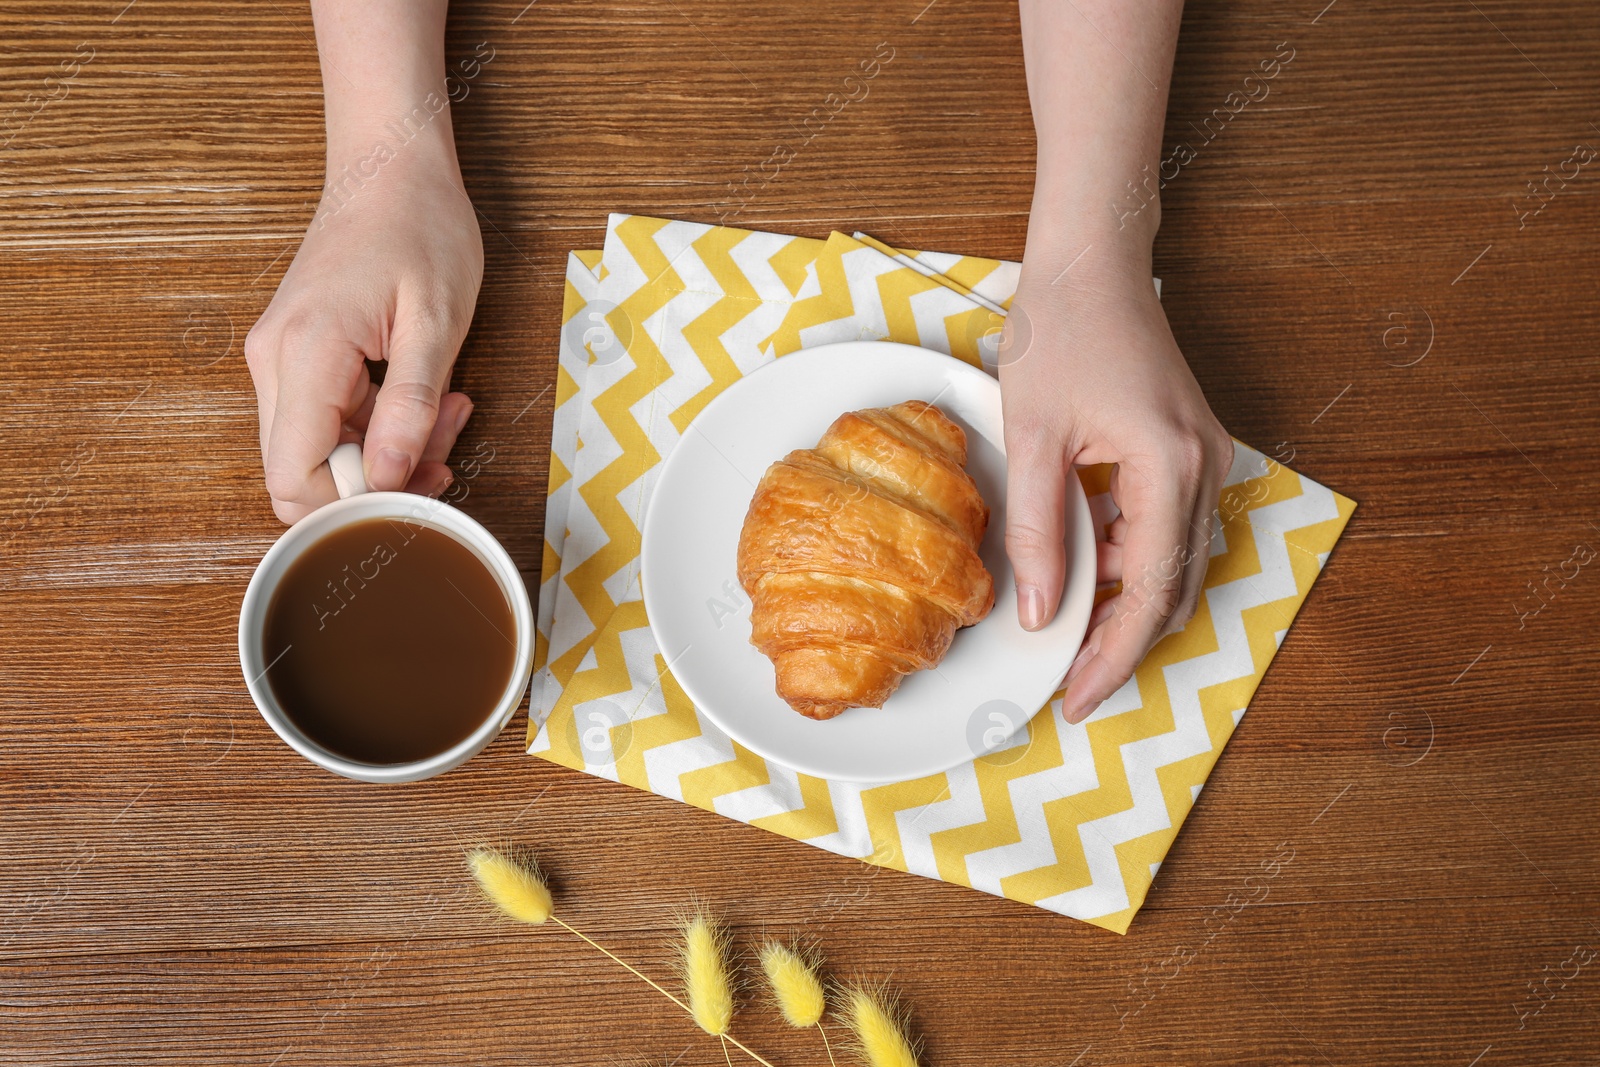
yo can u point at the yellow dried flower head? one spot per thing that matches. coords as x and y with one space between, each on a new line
880 1038
517 889
793 978
703 963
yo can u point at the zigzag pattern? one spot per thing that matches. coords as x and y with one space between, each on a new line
704 333
995 774
1153 718
812 817
825 287
1076 818
571 367
608 536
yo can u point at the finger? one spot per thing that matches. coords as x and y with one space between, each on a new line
454 410
421 353
1102 611
358 419
1202 528
264 374
430 479
1117 532
1036 500
1107 562
317 386
432 475
358 408
1158 513
1109 553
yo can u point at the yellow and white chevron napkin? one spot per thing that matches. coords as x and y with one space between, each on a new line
1075 819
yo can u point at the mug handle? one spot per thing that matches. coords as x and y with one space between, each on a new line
345 466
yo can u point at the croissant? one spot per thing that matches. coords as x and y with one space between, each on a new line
860 557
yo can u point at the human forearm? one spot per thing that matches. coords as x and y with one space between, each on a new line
1098 73
383 76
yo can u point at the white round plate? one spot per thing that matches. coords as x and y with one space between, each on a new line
996 675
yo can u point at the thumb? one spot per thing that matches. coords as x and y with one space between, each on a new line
1036 497
407 407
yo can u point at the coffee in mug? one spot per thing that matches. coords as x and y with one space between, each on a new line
386 636
389 642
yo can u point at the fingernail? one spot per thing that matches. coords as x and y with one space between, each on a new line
390 470
1077 716
461 418
1030 603
444 483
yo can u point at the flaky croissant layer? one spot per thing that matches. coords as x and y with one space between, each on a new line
860 557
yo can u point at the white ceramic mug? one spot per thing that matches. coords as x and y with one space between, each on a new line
356 504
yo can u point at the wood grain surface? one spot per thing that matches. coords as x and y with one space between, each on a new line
176 886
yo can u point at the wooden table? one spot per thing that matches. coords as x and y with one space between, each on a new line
176 886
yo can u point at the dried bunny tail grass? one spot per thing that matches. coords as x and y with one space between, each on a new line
878 1025
792 975
513 885
512 882
703 967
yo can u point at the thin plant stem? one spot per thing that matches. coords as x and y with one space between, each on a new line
621 962
631 969
828 1048
746 1049
725 1055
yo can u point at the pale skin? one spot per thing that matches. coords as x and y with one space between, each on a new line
1101 379
1090 372
388 271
